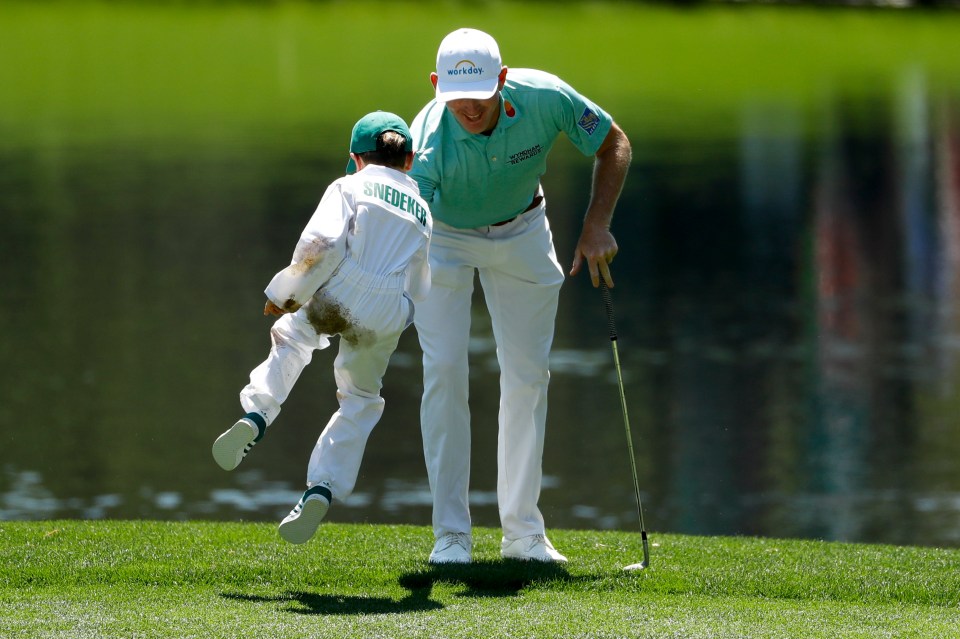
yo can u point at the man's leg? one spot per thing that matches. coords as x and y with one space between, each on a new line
443 327
522 295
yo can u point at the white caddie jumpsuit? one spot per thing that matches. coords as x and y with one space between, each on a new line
361 259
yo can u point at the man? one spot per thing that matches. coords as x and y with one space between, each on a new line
481 146
360 263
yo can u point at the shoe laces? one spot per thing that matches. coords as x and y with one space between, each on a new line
536 540
449 539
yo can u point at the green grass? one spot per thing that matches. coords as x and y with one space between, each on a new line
153 579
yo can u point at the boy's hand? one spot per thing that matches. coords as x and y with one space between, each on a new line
272 309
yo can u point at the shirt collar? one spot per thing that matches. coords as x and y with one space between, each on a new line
385 171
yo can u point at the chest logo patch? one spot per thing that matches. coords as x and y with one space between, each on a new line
526 154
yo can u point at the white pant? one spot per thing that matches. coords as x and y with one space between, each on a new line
521 281
378 313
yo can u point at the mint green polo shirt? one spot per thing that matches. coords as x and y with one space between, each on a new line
472 180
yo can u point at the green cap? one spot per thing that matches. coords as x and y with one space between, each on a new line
368 129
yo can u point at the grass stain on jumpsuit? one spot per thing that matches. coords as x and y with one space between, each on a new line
329 317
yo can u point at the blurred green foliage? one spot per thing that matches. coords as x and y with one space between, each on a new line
177 72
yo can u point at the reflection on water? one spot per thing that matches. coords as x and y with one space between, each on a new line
785 302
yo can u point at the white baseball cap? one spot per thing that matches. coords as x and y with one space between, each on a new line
468 66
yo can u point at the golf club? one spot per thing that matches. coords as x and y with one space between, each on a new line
608 303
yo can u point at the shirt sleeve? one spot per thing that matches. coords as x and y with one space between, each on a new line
320 250
424 171
584 122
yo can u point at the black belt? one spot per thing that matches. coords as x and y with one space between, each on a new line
537 199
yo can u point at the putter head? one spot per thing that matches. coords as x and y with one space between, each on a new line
646 556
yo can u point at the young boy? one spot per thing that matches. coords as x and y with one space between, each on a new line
360 264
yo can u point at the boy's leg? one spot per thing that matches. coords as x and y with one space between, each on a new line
292 344
335 460
293 341
336 457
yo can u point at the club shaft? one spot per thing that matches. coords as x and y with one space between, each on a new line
608 304
627 431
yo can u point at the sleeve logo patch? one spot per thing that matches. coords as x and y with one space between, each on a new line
589 121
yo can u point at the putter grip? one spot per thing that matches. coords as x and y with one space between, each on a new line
608 304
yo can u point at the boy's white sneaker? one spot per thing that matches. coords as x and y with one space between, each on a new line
233 445
298 527
452 548
531 548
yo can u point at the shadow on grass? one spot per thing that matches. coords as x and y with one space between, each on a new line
308 603
487 578
480 579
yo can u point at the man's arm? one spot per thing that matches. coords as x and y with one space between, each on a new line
597 245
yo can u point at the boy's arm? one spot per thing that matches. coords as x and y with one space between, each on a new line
319 252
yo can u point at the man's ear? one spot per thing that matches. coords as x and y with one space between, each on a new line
408 163
357 160
503 77
433 80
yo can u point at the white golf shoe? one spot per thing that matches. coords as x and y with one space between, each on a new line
531 548
298 527
452 548
233 445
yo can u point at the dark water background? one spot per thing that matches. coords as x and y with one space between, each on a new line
785 299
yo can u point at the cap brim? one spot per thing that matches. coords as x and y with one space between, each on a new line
480 90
